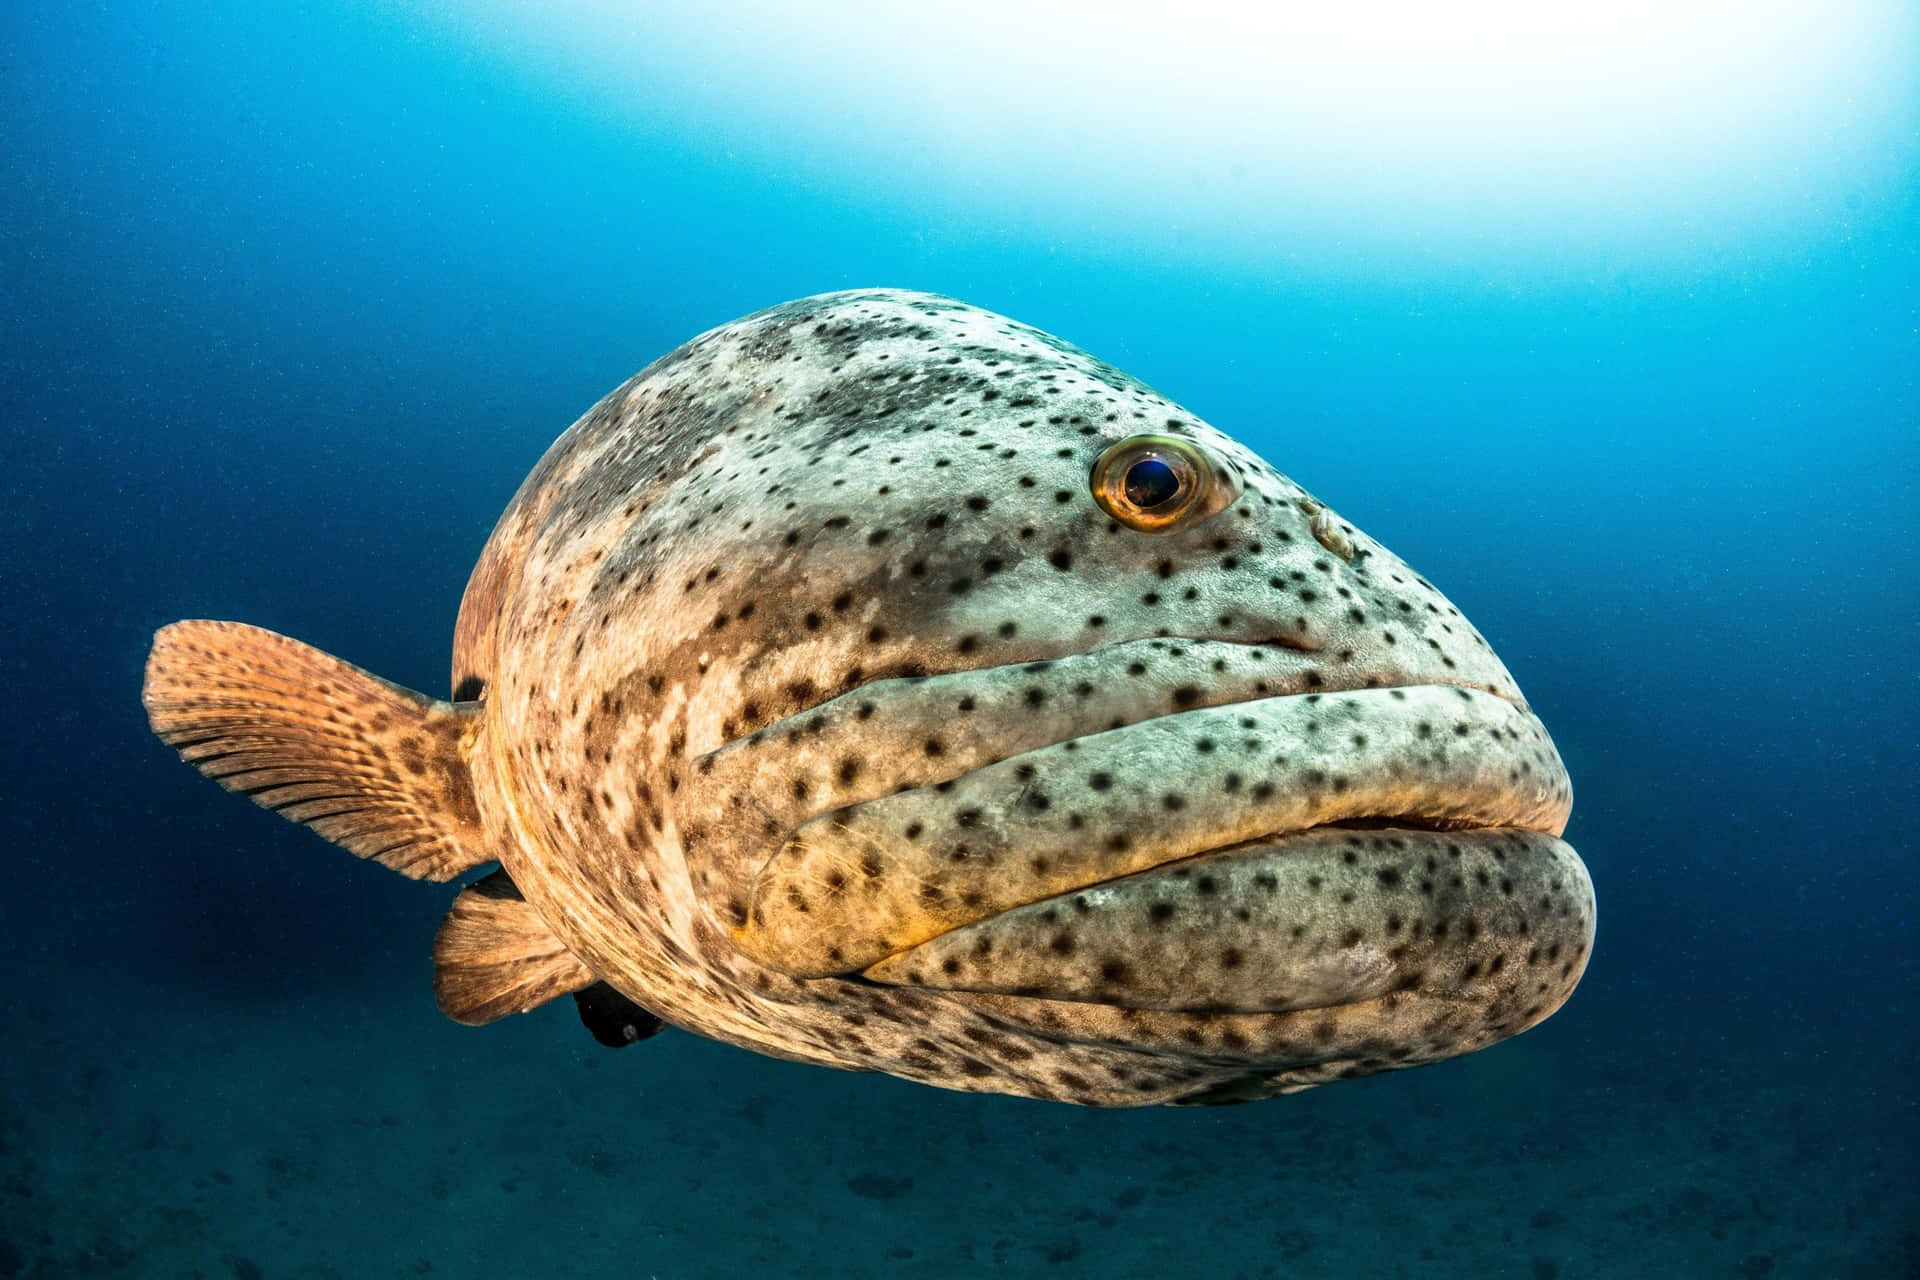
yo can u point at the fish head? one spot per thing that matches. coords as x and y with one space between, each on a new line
1016 693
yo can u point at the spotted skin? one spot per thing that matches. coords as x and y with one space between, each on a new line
822 710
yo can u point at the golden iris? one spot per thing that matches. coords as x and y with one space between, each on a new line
1157 483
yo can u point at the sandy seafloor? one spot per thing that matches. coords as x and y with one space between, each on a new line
163 1134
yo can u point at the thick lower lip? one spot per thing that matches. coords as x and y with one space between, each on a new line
1333 916
858 884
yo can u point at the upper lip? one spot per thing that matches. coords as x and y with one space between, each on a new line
764 784
1159 653
814 881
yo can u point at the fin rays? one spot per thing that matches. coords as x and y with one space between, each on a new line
494 956
373 767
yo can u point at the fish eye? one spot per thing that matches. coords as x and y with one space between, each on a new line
1158 483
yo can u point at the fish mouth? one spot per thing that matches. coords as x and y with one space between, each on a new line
1224 853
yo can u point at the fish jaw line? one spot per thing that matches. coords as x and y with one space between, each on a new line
858 884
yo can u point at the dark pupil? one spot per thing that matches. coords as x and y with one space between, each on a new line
1151 483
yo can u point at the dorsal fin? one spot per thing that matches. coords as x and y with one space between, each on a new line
494 956
373 767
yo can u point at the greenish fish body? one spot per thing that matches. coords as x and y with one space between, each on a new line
881 683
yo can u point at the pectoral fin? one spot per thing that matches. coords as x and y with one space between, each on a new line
375 768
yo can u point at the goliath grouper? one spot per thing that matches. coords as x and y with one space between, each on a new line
881 683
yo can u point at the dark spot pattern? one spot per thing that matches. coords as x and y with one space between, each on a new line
809 565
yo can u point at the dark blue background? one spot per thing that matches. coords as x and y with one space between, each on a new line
291 304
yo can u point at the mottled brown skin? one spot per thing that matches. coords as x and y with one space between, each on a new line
882 498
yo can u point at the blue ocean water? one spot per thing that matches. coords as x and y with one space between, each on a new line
294 297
